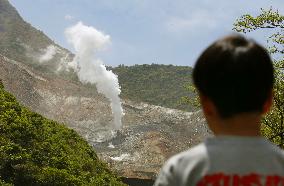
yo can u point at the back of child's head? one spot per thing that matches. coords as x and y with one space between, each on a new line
236 74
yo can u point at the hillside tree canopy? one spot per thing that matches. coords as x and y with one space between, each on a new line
38 151
272 21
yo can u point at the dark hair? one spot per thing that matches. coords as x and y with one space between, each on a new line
236 74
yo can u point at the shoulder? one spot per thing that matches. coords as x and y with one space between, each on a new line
183 165
190 159
198 152
277 151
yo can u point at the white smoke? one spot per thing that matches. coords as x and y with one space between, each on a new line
49 53
87 41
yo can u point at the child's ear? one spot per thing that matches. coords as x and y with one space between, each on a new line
208 107
268 103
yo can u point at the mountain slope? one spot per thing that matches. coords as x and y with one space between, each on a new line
22 42
150 134
16 33
161 85
155 84
38 151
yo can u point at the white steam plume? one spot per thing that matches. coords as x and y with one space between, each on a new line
49 53
87 41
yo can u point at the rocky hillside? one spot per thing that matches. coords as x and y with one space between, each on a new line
37 151
22 42
150 133
161 85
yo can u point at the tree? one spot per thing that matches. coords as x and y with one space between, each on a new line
38 151
273 123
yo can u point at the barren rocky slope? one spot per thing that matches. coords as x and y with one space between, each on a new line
150 133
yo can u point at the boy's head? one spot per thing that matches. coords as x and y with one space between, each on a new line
236 74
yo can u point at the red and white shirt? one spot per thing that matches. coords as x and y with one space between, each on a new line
226 161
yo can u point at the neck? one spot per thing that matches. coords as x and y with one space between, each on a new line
240 125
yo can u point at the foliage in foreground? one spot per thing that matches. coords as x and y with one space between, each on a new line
273 123
38 151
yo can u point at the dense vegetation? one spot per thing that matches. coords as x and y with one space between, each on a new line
273 123
162 85
38 151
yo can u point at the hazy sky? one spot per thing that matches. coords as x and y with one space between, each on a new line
145 31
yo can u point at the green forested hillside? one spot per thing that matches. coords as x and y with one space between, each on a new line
38 151
155 84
